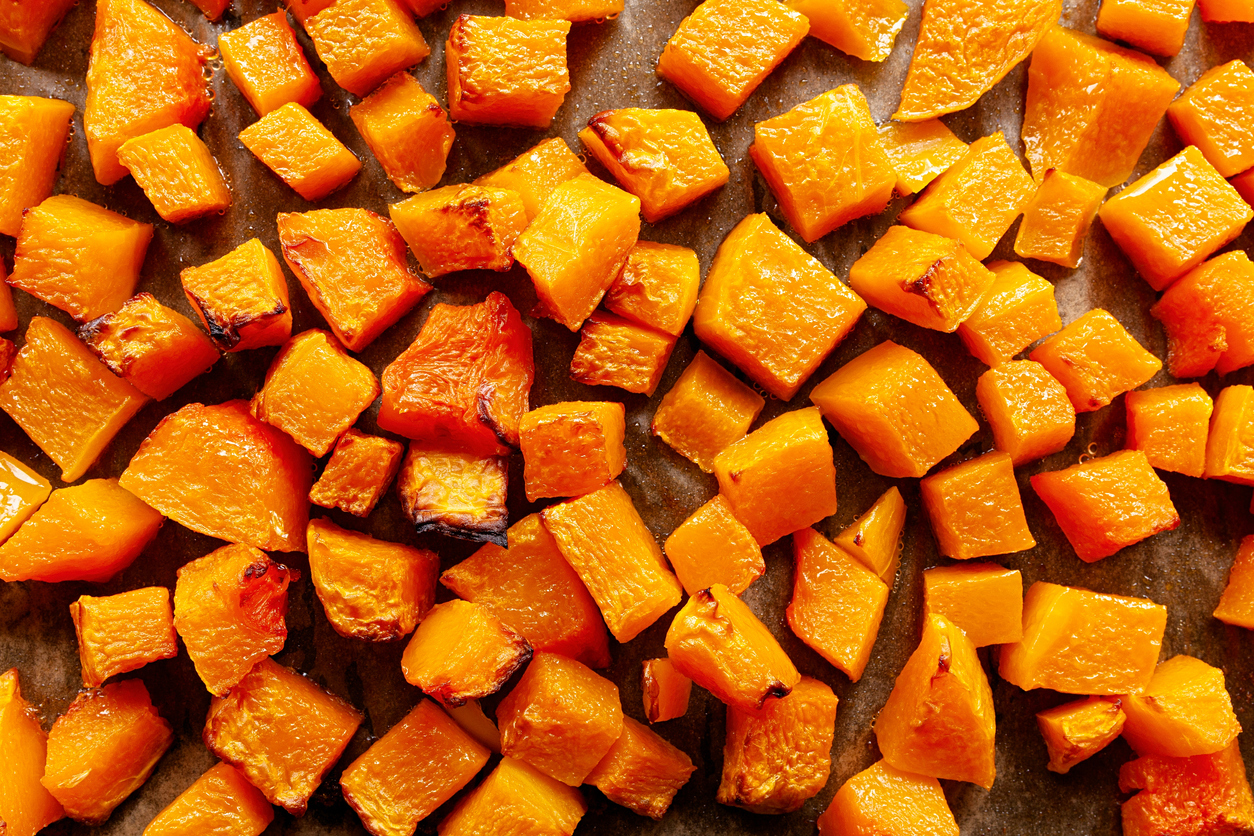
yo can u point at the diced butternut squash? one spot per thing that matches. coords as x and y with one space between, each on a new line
576 11
241 298
1027 409
505 71
1236 604
1209 317
219 471
301 151
641 771
1187 796
534 174
875 537
26 807
177 172
33 133
771 308
615 352
365 42
705 412
778 757
219 802
407 131
1216 114
1230 442
573 448
657 287
519 798
664 689
123 632
266 62
894 409
983 599
360 469
975 508
23 30
461 651
1096 359
462 227
1056 220
883 800
1018 310
712 546
1155 27
1170 426
724 49
1184 711
918 151
1076 731
1083 642
865 29
22 491
455 493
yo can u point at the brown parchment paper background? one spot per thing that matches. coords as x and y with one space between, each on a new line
612 66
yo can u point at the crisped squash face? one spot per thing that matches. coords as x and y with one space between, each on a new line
455 493
241 298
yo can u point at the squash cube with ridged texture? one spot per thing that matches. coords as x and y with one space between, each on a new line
665 691
1236 603
1184 711
23 31
505 71
241 298
641 771
705 412
1170 426
301 151
983 599
360 469
516 797
455 493
462 227
1216 114
865 29
177 173
33 133
875 537
1018 310
1096 359
1209 317
407 131
365 42
535 173
576 11
1201 794
615 352
219 801
22 491
461 651
1230 441
1078 730
570 449
1027 409
266 62
1056 220
657 287
975 508
881 799
1155 27
123 632
919 151
712 546
26 807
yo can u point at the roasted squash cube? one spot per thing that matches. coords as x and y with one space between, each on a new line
364 42
724 49
123 632
1027 409
1170 426
1184 711
1056 220
641 771
865 29
516 797
219 801
771 308
33 132
1076 731
615 352
1096 359
884 800
534 174
266 62
177 172
301 151
22 491
1157 28
505 71
1230 441
664 689
1236 603
241 298
455 493
1018 310
1216 114
875 537
1187 796
918 151
824 162
657 287
462 227
983 599
26 807
576 11
975 508
23 30
407 131
1209 317
712 546
360 469
573 448
705 412
461 651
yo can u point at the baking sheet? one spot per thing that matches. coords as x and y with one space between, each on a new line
612 66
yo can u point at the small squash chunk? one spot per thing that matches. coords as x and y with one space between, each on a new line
408 773
65 399
1076 731
505 71
1236 603
266 62
282 731
865 29
219 471
837 603
535 173
360 469
154 348
1184 711
712 546
918 151
314 391
615 352
23 30
26 807
144 73
462 227
771 308
1230 442
875 537
301 151
177 172
1187 796
1173 218
103 748
86 532
1083 642
1096 359
370 589
1209 317
882 800
705 412
516 798
824 162
1155 27
664 689
1104 505
1056 220
1170 426
22 491
983 599
964 49
723 50
465 380
364 42
927 279
461 651
123 632
1091 106
561 718
573 448
454 493
407 131
975 509
605 541
1027 409
665 157
657 287
241 298
1216 114
576 11
718 643
642 771
894 409
33 133
1018 310
220 802
78 256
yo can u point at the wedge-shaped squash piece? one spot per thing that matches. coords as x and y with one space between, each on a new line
923 278
718 643
975 508
301 151
455 493
712 546
219 471
1083 642
516 798
86 532
33 133
1207 315
360 469
462 227
364 42
407 131
219 802
505 71
314 391
1056 220
705 412
1216 114
144 73
23 30
657 287
1018 310
22 491
1187 796
865 29
461 651
984 600
605 541
883 800
771 308
1096 359
1027 409
919 151
572 448
26 807
123 632
576 11
1076 731
561 718
534 174
266 62
409 772
894 409
875 537
465 379
241 298
615 352
533 590
1236 604
1155 27
1169 425
723 50
664 689
642 771
837 603
177 172
1184 711
78 256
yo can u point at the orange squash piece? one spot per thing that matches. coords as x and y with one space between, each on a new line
641 771
605 541
724 49
1056 220
455 493
152 347
1236 603
301 151
865 29
219 471
982 599
894 409
1018 310
665 157
220 802
265 61
561 718
33 133
1216 114
516 798
875 537
360 469
86 532
465 379
302 10
705 412
535 173
573 448
1187 796
657 287
474 722
241 298
462 227
1096 359
664 689
1207 315
1170 426
1076 731
23 30
25 806
1184 711
919 151
1027 409
365 42
576 11
213 9
1225 11
1230 442
123 632
975 509
22 491
824 162
1157 28
882 800
615 352
1083 642
177 172
461 651
712 546
771 308
837 603
778 757
8 353
505 71
407 131
8 322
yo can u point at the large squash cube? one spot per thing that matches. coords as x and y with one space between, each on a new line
1216 114
22 491
1170 426
26 807
360 469
177 172
462 652
516 797
1184 711
723 50
1076 731
570 449
1230 442
534 174
641 771
665 691
975 508
1018 310
266 62
123 632
705 412
983 599
23 30
365 42
875 537
772 308
1056 220
462 227
576 11
881 799
1096 359
894 409
1209 317
1236 603
219 801
865 29
455 493
918 151
505 71
1027 409
407 131
1155 27
824 162
300 151
657 287
33 133
615 352
241 298
1191 796
712 546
